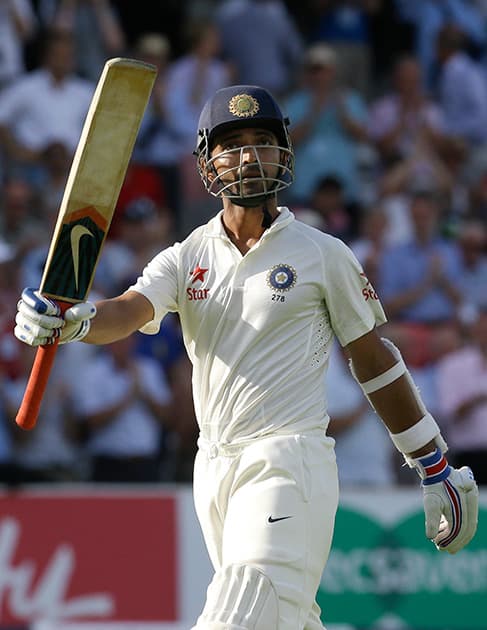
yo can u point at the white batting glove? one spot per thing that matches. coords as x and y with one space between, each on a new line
39 321
451 500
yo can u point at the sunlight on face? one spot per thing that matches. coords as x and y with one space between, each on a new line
248 157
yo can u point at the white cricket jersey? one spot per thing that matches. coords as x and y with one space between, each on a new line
258 327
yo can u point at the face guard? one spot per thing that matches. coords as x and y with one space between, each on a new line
251 182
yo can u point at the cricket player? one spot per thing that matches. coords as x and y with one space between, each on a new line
261 297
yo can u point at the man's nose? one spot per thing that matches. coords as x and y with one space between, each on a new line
248 155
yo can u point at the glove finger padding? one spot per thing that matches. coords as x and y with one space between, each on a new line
39 303
457 500
77 322
29 317
433 509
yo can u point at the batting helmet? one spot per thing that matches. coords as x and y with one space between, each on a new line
235 107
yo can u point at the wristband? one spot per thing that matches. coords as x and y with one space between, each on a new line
432 468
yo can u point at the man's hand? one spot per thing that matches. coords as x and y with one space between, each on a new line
39 320
450 502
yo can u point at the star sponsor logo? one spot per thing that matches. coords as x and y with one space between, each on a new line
197 294
368 291
282 277
198 274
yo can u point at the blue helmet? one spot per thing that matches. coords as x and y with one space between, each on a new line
235 107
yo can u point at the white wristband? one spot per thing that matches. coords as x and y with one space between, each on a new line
418 435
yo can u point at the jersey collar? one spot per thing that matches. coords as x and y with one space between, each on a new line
215 229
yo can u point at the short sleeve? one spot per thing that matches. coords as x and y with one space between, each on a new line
159 284
352 302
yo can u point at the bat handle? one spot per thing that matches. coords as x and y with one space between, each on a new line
36 386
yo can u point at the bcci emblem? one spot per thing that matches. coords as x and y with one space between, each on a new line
243 105
282 277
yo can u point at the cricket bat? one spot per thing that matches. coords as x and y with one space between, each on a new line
92 189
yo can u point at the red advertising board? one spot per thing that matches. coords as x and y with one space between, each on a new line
110 557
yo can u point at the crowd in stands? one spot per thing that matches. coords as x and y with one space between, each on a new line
388 107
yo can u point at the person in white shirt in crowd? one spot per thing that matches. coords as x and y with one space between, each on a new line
49 454
462 88
462 396
18 25
405 115
122 405
44 106
260 298
96 30
353 423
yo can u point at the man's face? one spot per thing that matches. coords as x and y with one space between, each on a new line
424 215
60 58
408 77
248 158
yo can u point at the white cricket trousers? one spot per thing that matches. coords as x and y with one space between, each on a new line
272 504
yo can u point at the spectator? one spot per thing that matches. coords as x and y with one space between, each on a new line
419 283
20 226
344 25
328 201
462 88
8 473
143 226
17 26
158 144
462 387
44 106
261 40
192 78
425 170
370 243
477 193
49 453
328 125
405 115
123 405
472 240
353 423
96 30
56 161
167 348
429 16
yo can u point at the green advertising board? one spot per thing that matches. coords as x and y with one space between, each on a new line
382 568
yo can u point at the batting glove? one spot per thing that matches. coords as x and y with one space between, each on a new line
39 321
451 501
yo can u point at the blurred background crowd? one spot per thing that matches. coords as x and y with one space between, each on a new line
388 108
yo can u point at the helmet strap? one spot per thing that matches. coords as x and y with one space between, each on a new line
267 217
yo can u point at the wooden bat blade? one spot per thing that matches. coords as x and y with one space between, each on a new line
96 177
92 189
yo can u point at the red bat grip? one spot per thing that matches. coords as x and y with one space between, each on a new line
36 386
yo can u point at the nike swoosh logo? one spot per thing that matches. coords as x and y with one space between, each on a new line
76 235
274 520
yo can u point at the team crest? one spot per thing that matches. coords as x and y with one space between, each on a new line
243 105
282 277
